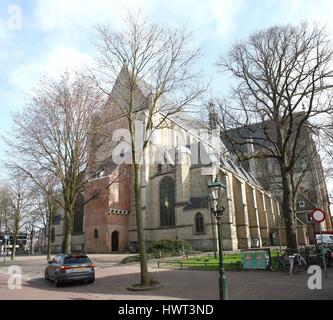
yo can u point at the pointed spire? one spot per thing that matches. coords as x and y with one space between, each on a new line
212 115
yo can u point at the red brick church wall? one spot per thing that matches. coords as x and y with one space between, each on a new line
98 215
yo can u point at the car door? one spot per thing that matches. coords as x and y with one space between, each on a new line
53 266
58 264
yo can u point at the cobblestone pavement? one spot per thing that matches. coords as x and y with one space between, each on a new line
113 278
34 266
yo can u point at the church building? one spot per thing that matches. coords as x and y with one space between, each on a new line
179 162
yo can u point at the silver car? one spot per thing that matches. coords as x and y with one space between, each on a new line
69 268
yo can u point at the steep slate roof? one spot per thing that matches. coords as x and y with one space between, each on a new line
187 121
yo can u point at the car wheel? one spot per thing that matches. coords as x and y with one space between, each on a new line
57 282
46 276
90 281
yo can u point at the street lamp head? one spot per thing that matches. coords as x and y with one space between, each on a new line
216 189
219 213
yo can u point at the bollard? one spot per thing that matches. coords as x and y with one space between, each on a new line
291 261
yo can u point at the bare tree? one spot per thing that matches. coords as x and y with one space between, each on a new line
53 137
46 207
20 205
283 79
31 228
5 210
152 61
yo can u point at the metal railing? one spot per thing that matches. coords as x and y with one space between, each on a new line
182 264
192 265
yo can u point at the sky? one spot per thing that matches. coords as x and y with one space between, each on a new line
39 36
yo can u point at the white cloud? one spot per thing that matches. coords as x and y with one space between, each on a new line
68 15
25 76
67 25
70 23
224 13
295 11
3 29
64 14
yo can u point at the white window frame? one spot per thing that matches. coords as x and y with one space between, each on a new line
303 204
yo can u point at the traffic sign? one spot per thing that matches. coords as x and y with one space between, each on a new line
318 215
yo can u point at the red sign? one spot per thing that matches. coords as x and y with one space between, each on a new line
318 215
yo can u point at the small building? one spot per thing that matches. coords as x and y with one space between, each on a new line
100 223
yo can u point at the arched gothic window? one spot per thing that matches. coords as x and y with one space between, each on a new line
96 234
78 214
199 223
52 235
167 203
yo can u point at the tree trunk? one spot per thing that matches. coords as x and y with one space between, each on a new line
31 241
49 227
1 221
289 212
16 230
68 231
48 235
139 223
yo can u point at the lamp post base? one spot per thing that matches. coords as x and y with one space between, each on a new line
223 285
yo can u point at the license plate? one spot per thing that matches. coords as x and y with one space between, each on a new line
78 270
81 269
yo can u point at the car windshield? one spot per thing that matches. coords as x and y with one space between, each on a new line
76 260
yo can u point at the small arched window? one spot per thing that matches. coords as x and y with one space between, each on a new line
167 203
95 234
52 235
199 223
78 214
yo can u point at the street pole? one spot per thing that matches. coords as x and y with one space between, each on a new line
216 187
214 237
314 233
280 236
4 250
223 286
323 251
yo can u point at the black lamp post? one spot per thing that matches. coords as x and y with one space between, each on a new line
216 187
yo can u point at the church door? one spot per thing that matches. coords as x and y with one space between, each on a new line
115 241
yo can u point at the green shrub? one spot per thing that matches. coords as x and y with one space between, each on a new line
130 259
169 248
308 250
235 266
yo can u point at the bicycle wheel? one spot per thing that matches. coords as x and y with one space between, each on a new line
300 268
286 267
296 267
318 260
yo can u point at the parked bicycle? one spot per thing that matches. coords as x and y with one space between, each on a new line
314 255
300 265
284 261
280 262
